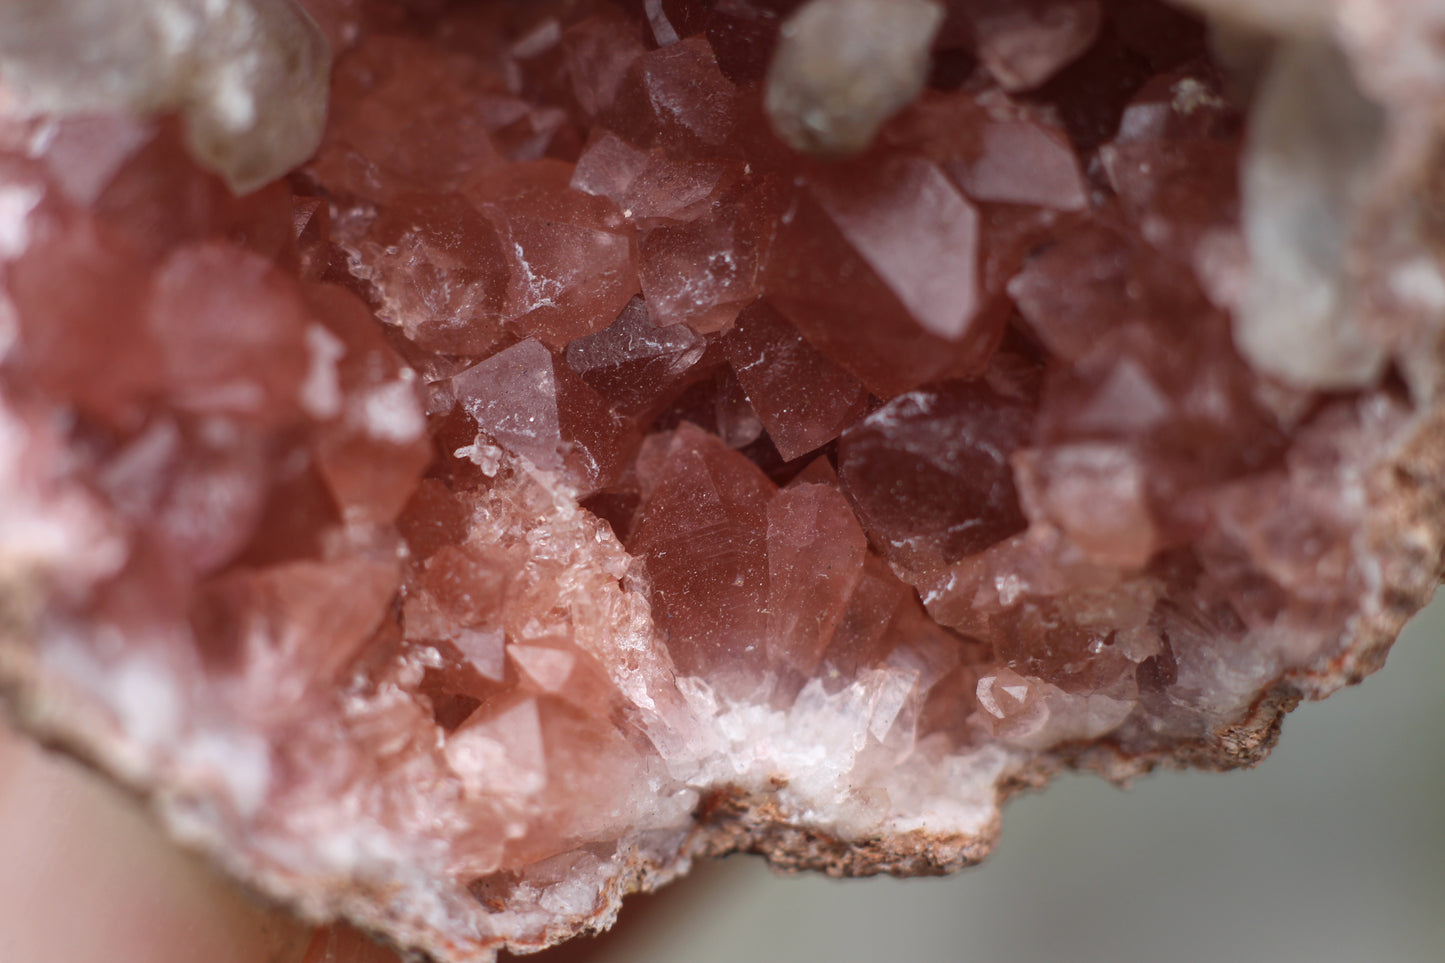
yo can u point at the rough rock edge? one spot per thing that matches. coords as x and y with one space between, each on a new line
1405 533
1406 527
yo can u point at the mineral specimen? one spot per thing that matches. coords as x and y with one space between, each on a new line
645 429
843 67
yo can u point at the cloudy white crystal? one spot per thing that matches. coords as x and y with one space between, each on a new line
249 76
1312 138
843 67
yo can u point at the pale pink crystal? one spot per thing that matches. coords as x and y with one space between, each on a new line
559 477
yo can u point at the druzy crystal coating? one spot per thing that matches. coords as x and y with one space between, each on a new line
561 474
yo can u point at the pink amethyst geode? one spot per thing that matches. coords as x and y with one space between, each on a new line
634 430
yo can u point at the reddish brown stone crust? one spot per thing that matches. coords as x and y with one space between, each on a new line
1406 536
1407 527
1407 530
737 822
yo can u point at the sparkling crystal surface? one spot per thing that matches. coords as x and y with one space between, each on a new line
628 438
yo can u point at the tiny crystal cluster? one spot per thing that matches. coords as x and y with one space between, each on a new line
629 436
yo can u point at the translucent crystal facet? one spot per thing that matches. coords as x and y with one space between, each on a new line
650 428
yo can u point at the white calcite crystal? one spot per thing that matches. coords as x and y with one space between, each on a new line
561 473
844 67
249 76
1312 141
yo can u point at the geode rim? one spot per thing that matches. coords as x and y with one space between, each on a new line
538 902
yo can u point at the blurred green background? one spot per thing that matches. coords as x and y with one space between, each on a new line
1332 850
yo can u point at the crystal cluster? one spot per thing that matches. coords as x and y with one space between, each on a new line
638 432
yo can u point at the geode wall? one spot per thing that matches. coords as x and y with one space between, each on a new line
631 430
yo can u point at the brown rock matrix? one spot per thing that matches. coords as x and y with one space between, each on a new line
636 434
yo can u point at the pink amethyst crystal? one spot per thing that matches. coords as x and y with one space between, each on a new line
626 438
